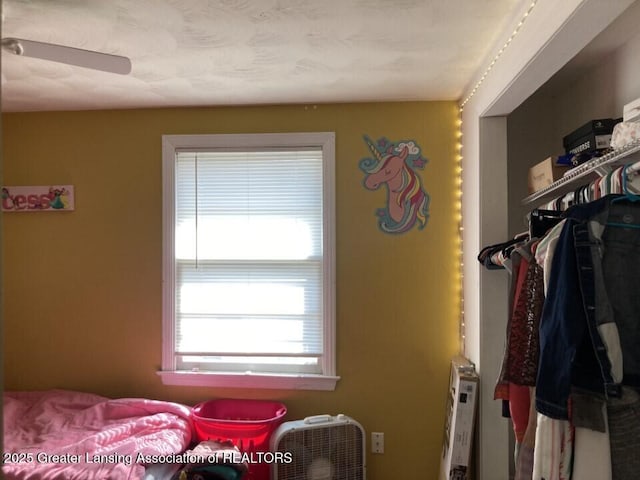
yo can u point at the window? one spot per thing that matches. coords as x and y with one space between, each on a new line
248 273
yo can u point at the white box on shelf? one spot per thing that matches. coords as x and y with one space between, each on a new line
631 112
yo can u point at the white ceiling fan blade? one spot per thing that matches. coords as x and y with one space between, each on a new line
72 56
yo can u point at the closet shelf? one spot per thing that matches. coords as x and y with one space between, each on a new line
584 173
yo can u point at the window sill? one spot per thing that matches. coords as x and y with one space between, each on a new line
249 380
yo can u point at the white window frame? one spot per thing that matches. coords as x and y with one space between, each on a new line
169 374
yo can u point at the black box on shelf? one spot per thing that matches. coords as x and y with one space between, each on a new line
592 136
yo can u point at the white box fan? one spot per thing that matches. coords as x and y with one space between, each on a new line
321 447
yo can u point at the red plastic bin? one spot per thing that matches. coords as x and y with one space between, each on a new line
248 424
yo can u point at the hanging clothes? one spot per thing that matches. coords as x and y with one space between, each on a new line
553 455
546 249
525 456
520 361
493 257
574 321
594 267
592 450
623 421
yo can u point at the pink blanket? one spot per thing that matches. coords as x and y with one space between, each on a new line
58 434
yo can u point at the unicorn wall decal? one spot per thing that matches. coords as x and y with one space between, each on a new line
393 164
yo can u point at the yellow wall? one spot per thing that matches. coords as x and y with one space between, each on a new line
83 288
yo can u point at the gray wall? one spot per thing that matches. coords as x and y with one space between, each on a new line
602 92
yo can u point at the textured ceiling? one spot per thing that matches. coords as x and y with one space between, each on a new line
238 52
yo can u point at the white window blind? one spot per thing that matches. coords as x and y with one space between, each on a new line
249 260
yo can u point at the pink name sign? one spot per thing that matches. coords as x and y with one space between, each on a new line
51 198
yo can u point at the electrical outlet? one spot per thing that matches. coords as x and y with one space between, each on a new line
377 442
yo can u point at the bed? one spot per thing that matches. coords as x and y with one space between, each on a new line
65 435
